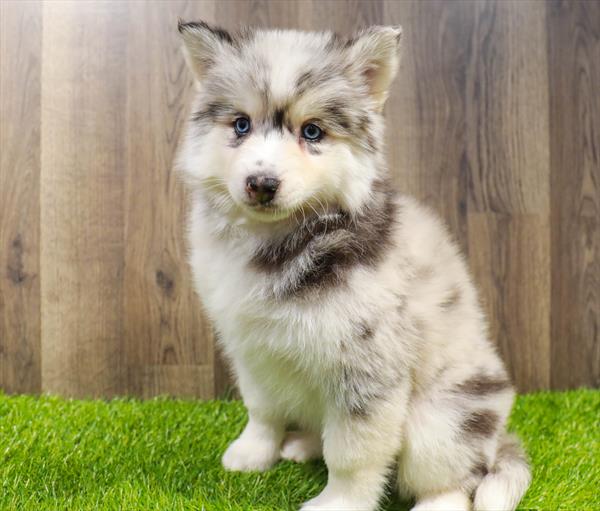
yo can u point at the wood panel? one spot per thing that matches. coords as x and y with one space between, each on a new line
343 17
508 153
426 112
168 344
494 122
20 66
260 13
510 262
82 197
574 56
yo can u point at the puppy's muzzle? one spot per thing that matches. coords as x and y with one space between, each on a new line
261 189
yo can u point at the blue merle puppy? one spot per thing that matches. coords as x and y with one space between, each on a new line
343 306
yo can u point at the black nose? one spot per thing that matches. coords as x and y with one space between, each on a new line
261 189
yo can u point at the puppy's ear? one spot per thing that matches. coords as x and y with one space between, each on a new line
203 44
375 53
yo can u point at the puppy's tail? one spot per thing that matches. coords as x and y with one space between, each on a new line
506 483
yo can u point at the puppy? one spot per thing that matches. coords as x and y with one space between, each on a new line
343 306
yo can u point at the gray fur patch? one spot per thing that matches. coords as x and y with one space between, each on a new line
452 299
338 112
358 389
304 82
318 252
366 332
481 423
480 469
483 384
365 376
344 117
509 448
212 112
477 472
314 78
364 383
210 35
218 32
278 119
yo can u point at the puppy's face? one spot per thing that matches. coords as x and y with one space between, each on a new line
286 121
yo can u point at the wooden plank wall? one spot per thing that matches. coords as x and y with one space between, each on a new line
20 102
494 121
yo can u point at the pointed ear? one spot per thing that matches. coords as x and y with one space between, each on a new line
202 45
375 54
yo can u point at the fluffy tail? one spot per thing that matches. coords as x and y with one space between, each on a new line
506 483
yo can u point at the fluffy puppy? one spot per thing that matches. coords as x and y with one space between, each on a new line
344 307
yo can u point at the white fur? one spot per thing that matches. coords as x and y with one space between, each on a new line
257 448
301 446
454 500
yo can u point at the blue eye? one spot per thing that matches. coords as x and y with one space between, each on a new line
312 132
241 125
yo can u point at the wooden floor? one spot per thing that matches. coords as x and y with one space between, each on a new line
494 121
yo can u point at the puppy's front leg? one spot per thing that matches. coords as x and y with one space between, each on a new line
258 447
359 449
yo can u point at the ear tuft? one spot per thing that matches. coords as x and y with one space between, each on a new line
375 55
203 43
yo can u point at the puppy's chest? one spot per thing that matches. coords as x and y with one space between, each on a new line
241 301
308 334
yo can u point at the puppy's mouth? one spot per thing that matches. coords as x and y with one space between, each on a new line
267 209
270 212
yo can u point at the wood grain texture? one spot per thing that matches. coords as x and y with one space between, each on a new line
494 122
20 70
510 263
427 132
259 13
507 112
168 343
82 197
574 56
174 380
344 16
508 159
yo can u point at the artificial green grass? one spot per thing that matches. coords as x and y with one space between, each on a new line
165 454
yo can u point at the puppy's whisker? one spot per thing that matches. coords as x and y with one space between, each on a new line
321 204
313 208
325 212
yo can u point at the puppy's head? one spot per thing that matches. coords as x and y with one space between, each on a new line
285 120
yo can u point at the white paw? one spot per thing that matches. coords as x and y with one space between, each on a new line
250 455
334 503
300 446
451 501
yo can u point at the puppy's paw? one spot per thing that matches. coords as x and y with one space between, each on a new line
455 501
248 455
301 446
334 503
